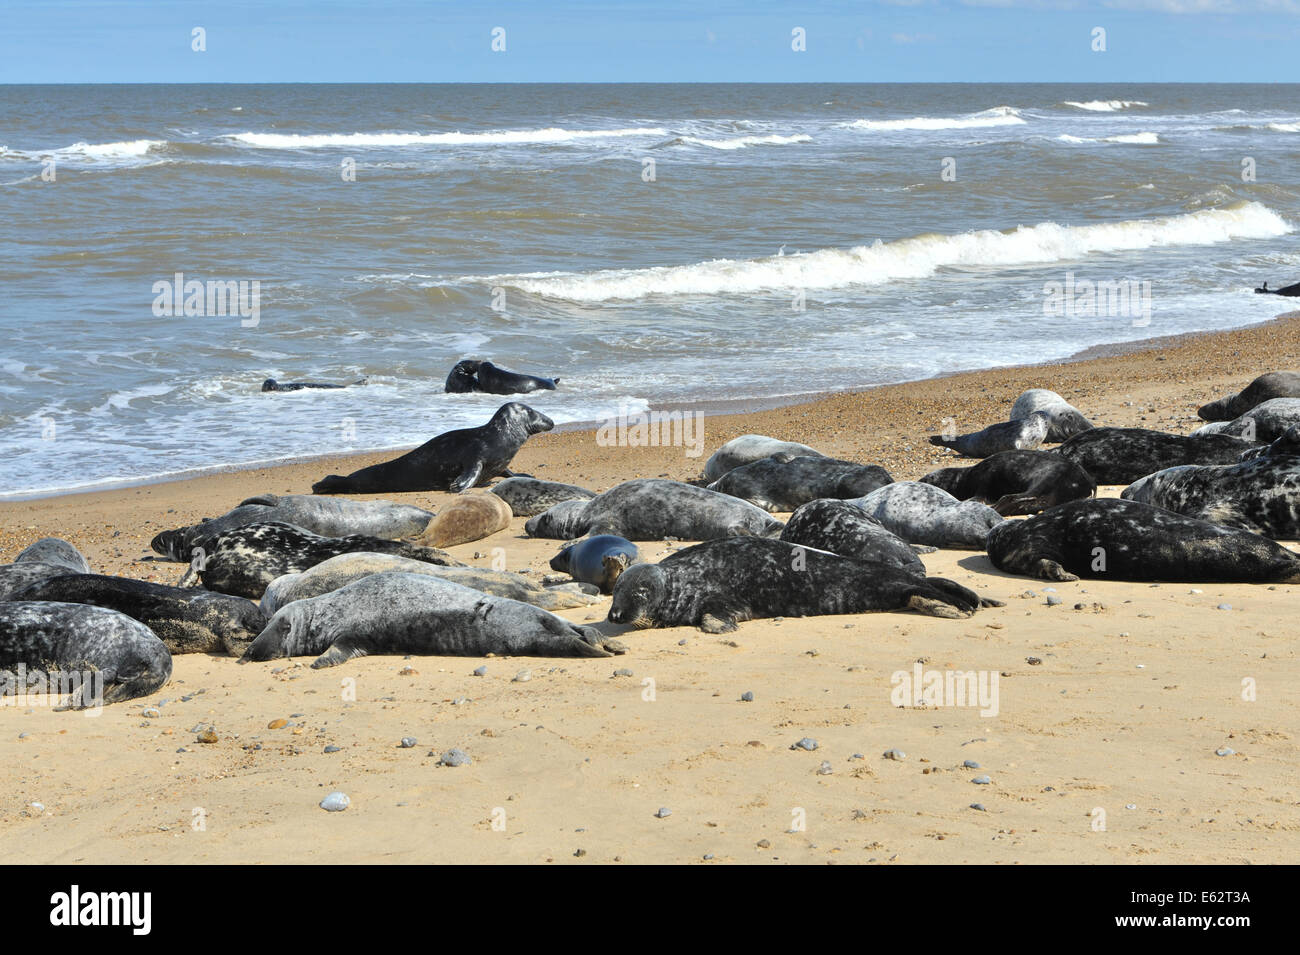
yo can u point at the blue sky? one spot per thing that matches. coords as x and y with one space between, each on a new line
97 41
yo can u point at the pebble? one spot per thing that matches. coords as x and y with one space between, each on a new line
708 857
407 742
825 768
894 754
1225 606
681 643
39 807
623 672
455 757
979 806
151 713
981 780
335 802
805 743
460 701
333 749
1052 601
480 671
523 676
209 735
1033 661
277 724
1225 751
970 764
663 812
747 696
1131 805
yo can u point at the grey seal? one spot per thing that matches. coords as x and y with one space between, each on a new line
56 551
1127 540
1017 482
747 449
842 527
528 497
1276 384
563 521
785 481
925 514
1265 422
1067 420
1024 434
598 560
469 375
408 613
1122 455
272 385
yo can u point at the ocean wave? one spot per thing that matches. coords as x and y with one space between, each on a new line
1284 127
740 142
997 116
1139 139
551 134
912 258
1105 105
93 152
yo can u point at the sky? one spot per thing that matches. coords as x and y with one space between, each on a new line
411 41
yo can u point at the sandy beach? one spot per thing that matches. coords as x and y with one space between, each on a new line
1102 750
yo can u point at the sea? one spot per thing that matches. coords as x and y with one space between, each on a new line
166 248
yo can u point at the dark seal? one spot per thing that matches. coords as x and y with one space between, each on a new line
785 481
1122 455
1276 384
467 376
598 560
272 385
842 528
1023 434
1017 482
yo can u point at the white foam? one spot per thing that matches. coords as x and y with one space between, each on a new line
551 134
1139 139
740 142
95 152
912 258
1106 105
997 116
1284 127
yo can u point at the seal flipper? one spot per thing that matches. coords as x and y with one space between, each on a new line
953 593
467 479
1045 569
1010 505
336 654
614 565
717 619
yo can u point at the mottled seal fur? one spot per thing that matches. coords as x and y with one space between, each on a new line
187 620
1122 455
598 560
454 461
471 517
409 613
561 521
1024 434
785 481
55 551
925 514
1276 384
716 584
1265 422
1017 482
652 508
842 527
747 449
1127 540
330 575
1067 420
468 375
528 497
63 640
244 561
327 516
20 575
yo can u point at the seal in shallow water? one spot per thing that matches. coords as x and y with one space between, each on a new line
785 481
925 514
468 375
1017 482
272 385
598 560
1122 455
1024 434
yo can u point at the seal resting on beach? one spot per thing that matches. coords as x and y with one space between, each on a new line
1122 455
330 575
470 517
1067 420
716 584
785 481
842 527
272 385
598 560
747 449
1265 422
244 561
54 551
925 514
1024 434
455 461
1276 384
93 654
648 509
1126 540
1261 495
468 375
1017 482
186 620
528 497
409 613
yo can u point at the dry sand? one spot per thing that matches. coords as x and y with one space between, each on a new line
1137 688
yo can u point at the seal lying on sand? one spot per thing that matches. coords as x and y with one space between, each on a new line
1265 422
648 509
330 575
784 481
409 613
272 385
454 461
1261 495
1067 420
1277 384
1122 455
56 551
468 375
92 654
747 449
185 619
924 514
528 497
1017 482
718 583
244 561
329 517
598 560
470 517
842 528
1024 434
1125 540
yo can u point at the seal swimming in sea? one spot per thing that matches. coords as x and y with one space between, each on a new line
1127 540
1017 482
647 509
329 517
93 654
843 528
1290 291
925 514
471 517
1067 420
785 481
598 560
468 375
1276 384
1265 422
716 584
1122 455
1024 434
1261 495
528 497
272 385
749 448
185 620
330 575
245 560
408 613
55 551
454 461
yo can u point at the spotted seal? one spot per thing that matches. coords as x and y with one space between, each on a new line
598 560
1067 420
925 514
54 551
842 527
1276 384
783 481
1122 455
1024 434
1016 482
747 449
528 497
1265 422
